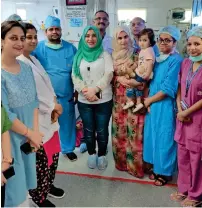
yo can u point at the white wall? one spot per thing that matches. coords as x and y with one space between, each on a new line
156 9
37 11
7 8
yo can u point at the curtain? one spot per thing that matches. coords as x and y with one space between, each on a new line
196 12
197 8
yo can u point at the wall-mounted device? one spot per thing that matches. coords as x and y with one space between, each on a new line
55 11
177 14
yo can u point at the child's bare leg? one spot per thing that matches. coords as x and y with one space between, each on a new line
138 100
130 97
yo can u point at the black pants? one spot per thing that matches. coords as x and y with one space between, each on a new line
45 176
3 195
95 119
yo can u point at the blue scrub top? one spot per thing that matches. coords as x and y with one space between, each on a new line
58 64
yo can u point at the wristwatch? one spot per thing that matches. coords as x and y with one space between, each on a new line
8 160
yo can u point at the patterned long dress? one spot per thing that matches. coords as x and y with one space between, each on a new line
127 133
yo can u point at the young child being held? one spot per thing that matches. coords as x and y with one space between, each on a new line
144 71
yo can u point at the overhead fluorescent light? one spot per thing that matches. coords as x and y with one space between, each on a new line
25 3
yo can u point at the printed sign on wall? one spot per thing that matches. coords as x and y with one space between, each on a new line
76 22
76 12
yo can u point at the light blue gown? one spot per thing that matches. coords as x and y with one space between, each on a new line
20 99
159 127
58 65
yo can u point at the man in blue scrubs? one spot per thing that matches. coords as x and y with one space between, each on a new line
56 56
137 25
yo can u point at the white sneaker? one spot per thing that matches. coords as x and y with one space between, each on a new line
138 107
102 163
128 105
92 161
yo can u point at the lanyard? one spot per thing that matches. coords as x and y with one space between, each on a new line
191 77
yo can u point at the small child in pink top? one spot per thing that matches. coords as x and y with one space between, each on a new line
144 71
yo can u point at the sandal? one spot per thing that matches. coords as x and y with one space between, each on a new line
162 179
152 176
191 203
178 197
149 171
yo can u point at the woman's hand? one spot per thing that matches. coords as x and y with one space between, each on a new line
94 98
58 109
85 89
89 94
5 166
179 109
36 138
122 80
147 102
33 146
54 116
3 179
183 116
132 83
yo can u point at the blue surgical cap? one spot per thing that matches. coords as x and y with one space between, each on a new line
172 31
196 31
52 22
14 17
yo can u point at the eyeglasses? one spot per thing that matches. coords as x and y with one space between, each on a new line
165 41
138 24
101 18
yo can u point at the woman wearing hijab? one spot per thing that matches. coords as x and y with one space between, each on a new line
127 127
47 156
159 145
188 134
92 74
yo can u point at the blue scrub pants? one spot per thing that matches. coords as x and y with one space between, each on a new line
67 123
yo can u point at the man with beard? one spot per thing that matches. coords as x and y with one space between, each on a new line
137 25
56 56
101 21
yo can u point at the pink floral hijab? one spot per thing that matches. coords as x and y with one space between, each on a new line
120 56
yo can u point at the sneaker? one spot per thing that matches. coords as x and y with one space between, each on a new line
71 156
138 107
56 193
102 163
92 161
83 148
128 105
45 203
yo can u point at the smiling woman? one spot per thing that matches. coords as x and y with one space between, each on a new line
20 101
91 38
49 111
159 145
92 74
